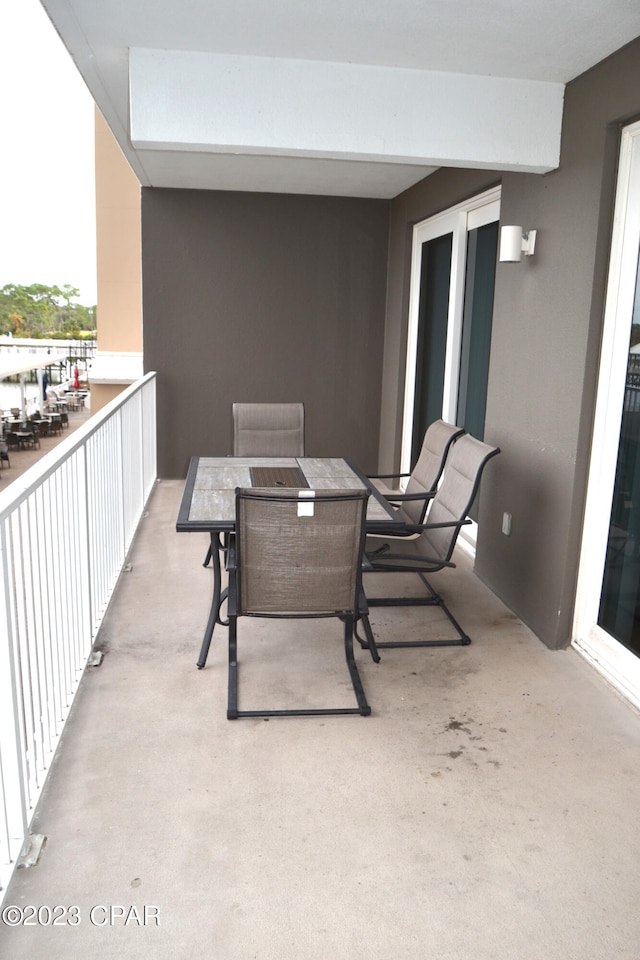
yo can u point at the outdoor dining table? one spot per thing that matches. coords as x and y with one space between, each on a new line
208 502
26 438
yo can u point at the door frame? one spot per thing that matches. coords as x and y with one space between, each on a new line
612 659
458 220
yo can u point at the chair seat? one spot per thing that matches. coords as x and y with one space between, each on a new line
400 553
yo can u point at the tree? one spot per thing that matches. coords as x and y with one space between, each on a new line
41 311
17 325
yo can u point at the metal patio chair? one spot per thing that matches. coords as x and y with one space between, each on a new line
266 430
411 506
31 427
293 556
431 551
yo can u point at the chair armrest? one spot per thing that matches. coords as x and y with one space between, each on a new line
419 527
387 476
418 564
392 497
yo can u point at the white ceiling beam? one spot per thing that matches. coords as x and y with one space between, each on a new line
263 106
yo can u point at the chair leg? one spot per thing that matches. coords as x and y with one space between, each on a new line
365 709
232 697
233 712
433 600
369 643
214 613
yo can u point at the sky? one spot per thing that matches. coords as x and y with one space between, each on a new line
47 179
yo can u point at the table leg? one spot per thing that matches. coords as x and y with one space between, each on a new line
214 613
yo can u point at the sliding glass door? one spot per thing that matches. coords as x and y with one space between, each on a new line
619 612
435 280
607 620
450 313
482 244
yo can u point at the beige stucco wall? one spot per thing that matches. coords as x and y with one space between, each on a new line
103 393
118 244
119 264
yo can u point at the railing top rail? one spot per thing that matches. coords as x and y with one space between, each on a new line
20 489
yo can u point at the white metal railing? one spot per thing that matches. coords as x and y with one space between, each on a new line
65 530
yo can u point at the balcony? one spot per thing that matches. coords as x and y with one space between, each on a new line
486 808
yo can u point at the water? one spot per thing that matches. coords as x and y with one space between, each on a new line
10 396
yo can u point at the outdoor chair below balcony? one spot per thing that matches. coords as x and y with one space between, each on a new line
12 440
31 428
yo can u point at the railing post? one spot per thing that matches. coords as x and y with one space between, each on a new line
88 545
13 788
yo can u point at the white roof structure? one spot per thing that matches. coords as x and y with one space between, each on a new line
363 98
11 366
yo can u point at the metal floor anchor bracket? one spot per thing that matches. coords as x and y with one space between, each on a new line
31 850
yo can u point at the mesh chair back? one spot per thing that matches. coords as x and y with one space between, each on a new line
299 565
268 429
428 469
455 496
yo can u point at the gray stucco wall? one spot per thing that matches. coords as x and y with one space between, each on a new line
545 346
264 297
260 297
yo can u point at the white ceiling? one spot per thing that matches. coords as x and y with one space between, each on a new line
399 86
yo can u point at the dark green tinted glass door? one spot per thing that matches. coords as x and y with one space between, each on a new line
620 597
435 280
482 244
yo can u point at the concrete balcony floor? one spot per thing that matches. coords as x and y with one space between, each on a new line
487 808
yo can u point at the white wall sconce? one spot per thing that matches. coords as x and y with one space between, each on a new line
514 242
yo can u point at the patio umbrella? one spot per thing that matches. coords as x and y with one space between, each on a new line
76 378
45 381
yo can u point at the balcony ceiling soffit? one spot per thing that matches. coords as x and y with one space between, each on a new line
454 44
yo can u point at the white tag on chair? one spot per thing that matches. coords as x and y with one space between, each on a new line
305 509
